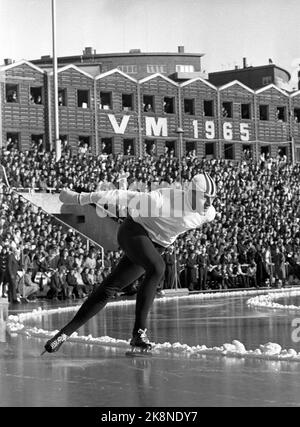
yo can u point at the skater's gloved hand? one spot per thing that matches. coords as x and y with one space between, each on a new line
69 197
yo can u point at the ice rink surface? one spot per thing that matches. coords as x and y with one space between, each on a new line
81 375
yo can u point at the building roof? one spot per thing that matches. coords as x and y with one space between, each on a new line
96 57
249 68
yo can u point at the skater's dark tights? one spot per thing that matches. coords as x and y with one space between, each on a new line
141 256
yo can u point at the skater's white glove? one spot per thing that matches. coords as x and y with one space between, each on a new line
70 197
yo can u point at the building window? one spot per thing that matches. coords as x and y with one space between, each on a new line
281 114
128 69
62 97
297 115
37 141
64 141
148 103
190 147
36 95
162 69
246 111
209 149
168 105
297 155
106 100
247 152
189 106
208 107
12 140
265 150
266 80
263 112
12 93
170 148
229 151
84 144
127 101
150 147
106 145
83 98
185 68
128 147
227 109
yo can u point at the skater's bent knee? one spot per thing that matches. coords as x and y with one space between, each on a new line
156 269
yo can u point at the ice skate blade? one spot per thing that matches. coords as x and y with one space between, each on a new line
138 353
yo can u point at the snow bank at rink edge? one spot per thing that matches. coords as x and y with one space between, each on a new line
267 301
236 349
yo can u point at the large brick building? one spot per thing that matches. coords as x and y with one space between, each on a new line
253 77
114 112
180 65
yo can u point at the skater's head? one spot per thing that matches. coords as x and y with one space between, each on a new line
202 192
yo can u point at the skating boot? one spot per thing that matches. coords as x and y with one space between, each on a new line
54 343
140 344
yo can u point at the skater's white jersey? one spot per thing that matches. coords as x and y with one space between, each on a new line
164 213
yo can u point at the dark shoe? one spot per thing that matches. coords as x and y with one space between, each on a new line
54 343
141 340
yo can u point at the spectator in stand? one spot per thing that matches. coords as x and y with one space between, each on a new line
251 275
90 260
3 269
80 290
72 283
13 266
88 277
192 269
279 267
71 260
58 285
169 279
63 259
202 264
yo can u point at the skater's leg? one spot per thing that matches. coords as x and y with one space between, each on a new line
142 251
123 275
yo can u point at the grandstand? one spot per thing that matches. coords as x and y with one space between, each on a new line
161 128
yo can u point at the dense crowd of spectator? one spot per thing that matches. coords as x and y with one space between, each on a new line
38 254
254 240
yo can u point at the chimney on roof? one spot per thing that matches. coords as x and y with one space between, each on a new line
180 49
8 61
133 51
88 51
244 62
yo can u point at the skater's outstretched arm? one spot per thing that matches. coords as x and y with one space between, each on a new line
115 197
136 201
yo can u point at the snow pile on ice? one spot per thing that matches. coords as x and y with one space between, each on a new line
267 301
221 294
235 349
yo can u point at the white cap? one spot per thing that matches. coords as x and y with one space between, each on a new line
201 186
204 183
